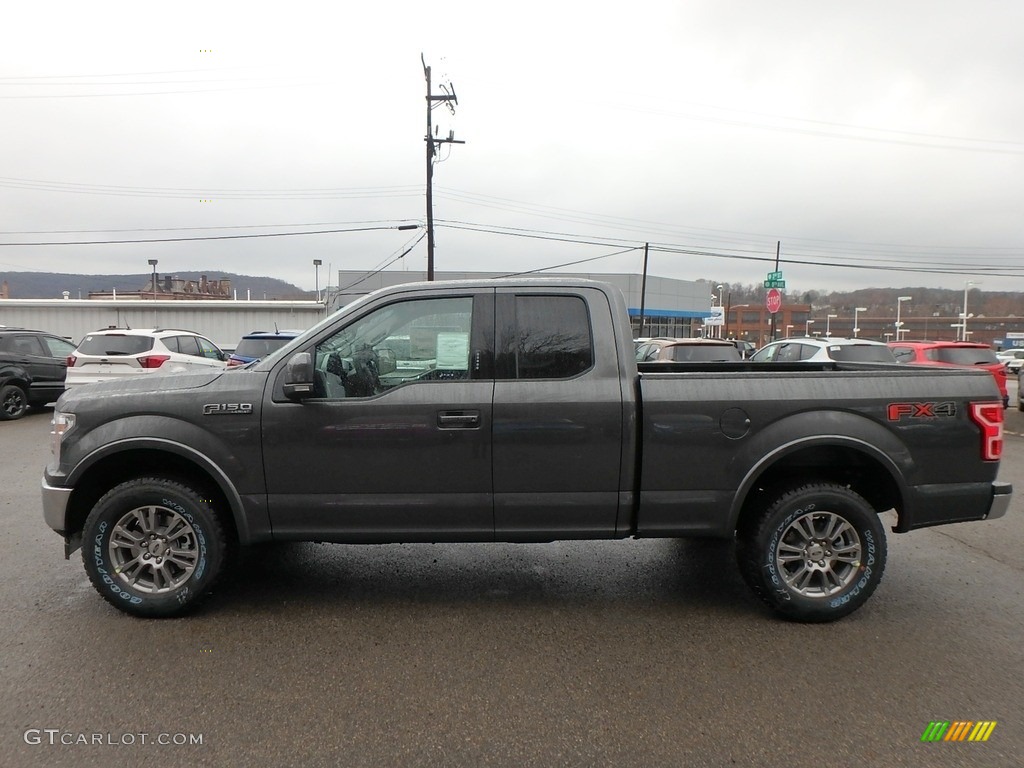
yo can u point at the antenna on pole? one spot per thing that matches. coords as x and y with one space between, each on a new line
449 99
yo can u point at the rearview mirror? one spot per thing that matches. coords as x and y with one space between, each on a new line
298 376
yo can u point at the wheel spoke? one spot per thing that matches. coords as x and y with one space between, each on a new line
176 528
818 554
146 535
187 559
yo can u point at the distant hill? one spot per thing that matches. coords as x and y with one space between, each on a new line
51 285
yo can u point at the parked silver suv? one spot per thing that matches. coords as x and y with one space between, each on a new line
119 352
809 349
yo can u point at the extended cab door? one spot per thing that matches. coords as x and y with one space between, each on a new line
558 415
395 444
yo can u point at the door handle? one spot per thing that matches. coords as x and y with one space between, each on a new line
458 419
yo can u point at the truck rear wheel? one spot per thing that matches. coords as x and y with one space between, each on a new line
153 547
815 554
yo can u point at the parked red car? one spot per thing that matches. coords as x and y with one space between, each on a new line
961 354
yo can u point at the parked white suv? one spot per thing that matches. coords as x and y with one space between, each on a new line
808 349
119 352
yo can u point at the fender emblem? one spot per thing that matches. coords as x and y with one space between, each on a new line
227 409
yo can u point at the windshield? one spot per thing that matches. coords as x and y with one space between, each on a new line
259 347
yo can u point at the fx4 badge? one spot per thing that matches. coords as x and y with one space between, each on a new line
227 409
900 411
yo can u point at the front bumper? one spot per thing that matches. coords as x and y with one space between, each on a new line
55 506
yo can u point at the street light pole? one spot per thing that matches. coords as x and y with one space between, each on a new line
807 328
856 324
828 325
316 269
899 304
788 329
152 263
963 322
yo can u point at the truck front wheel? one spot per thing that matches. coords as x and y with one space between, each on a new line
815 554
153 547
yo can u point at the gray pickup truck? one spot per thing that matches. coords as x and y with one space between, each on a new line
513 411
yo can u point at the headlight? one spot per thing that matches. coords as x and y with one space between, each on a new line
61 423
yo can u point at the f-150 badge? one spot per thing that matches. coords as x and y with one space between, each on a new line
227 409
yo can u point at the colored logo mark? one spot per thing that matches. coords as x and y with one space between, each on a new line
958 730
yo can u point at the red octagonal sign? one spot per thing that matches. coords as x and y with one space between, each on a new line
773 301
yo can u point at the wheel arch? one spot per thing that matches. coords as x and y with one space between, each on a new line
119 462
841 459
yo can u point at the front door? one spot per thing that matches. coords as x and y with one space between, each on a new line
396 443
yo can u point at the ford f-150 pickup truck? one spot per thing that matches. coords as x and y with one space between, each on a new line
513 411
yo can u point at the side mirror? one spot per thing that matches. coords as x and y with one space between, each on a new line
298 376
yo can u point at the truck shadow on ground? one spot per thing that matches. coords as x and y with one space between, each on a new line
696 573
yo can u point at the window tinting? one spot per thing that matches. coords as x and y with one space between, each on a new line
28 345
186 345
108 344
861 353
701 353
552 339
966 355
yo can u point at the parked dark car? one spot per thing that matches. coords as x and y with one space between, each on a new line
33 365
259 344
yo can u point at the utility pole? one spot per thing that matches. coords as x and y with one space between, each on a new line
449 99
643 292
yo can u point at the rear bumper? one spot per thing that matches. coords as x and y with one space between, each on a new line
1001 495
928 505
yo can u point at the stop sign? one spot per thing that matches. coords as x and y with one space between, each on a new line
773 301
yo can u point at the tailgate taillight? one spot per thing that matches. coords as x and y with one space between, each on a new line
989 417
153 361
71 361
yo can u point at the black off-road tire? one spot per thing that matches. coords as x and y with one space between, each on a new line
153 547
815 554
13 402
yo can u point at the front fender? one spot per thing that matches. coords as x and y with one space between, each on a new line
230 460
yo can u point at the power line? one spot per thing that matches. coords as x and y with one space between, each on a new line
204 237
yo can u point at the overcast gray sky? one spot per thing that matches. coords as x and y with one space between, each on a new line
866 137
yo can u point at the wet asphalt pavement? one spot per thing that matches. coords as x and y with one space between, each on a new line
623 653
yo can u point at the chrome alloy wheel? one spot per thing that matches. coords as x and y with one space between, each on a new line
818 554
153 549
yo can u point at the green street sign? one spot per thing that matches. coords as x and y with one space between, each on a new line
774 275
774 283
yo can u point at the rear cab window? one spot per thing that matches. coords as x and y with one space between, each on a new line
548 337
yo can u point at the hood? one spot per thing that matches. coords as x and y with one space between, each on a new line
159 382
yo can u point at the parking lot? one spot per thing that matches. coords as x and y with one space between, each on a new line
625 653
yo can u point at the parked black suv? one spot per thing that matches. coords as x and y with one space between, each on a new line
32 369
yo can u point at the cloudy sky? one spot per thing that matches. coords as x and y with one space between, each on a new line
881 143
